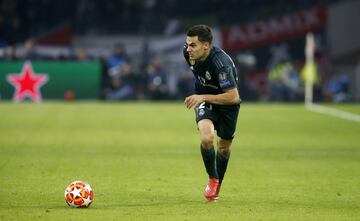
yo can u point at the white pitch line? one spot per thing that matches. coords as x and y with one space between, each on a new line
333 112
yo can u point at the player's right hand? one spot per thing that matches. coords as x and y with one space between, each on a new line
193 100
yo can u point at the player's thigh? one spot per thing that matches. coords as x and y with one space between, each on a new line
206 119
206 129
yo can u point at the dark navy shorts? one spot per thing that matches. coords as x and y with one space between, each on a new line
224 118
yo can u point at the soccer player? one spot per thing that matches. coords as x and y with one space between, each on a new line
216 102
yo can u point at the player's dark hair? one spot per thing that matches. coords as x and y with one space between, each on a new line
202 31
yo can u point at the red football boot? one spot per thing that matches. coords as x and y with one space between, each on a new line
212 190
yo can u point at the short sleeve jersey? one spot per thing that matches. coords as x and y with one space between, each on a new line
214 75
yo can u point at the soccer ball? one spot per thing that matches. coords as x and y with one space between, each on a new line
79 194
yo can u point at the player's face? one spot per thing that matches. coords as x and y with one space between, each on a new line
196 49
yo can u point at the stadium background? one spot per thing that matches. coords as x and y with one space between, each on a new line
138 45
142 158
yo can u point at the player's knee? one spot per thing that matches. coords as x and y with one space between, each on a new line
224 151
207 141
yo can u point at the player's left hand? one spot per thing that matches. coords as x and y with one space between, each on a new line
193 101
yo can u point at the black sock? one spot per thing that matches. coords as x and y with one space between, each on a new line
208 156
221 164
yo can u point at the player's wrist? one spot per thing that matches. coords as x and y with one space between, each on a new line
203 98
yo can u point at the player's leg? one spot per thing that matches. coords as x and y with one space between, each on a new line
222 157
206 118
225 130
207 134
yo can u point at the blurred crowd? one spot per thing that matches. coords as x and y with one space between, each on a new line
124 82
122 78
125 78
287 82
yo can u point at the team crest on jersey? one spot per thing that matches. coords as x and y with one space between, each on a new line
201 112
207 75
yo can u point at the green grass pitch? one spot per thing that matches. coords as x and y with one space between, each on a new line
143 162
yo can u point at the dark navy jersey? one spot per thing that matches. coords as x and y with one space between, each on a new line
214 75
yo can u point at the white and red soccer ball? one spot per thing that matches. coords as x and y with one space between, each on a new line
79 194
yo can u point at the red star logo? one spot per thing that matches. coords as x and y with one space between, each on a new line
27 83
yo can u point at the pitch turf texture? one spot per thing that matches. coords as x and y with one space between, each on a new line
143 162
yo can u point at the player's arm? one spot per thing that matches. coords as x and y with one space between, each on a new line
229 97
